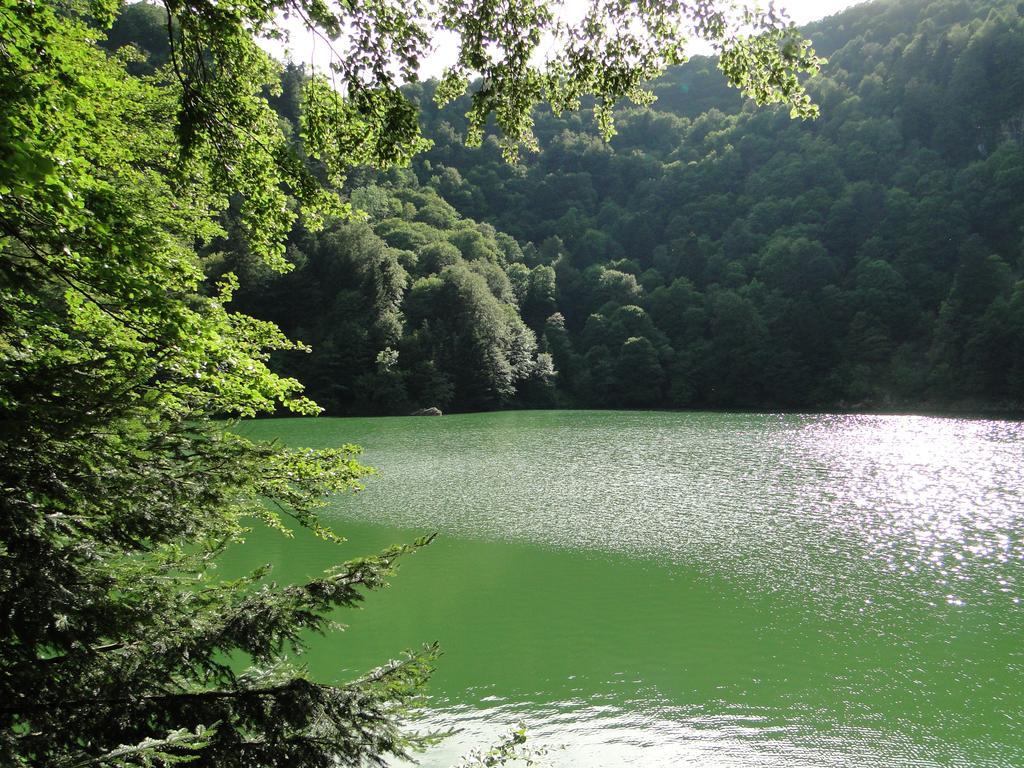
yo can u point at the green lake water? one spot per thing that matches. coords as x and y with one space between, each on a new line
690 589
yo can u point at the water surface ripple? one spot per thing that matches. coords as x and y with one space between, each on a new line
700 589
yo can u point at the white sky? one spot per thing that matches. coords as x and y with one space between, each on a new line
803 11
303 48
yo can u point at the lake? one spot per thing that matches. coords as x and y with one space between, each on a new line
690 589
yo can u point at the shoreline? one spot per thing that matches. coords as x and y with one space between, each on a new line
947 412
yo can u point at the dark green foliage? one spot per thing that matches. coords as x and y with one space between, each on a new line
333 299
470 338
344 298
865 258
639 377
118 367
403 313
132 190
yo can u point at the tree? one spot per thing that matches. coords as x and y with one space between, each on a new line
539 300
638 373
477 341
734 364
120 362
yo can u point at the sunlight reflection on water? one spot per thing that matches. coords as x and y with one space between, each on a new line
859 515
938 502
663 589
660 735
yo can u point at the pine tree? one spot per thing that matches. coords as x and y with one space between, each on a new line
120 366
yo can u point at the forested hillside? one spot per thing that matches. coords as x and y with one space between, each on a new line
713 254
416 306
138 193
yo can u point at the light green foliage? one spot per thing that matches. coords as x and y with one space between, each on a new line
118 368
177 747
615 287
610 53
121 365
519 279
356 113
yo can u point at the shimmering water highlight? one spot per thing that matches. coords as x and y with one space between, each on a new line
694 589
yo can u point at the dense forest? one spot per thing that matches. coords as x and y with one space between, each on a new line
188 227
712 254
137 194
719 255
